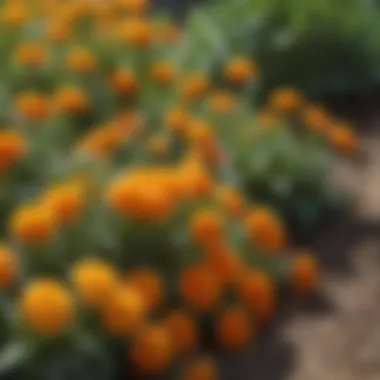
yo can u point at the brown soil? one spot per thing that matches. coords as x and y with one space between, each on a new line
335 335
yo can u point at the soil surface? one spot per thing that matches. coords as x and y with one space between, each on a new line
336 334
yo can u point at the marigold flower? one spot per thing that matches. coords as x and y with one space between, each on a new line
177 120
286 99
58 31
151 351
133 7
163 72
240 70
123 81
266 230
32 105
315 118
66 201
81 60
200 133
206 226
95 281
136 32
304 273
30 54
234 329
12 148
231 200
124 312
201 369
257 291
8 266
149 284
13 14
47 306
33 224
195 85
183 331
197 277
343 138
71 100
222 101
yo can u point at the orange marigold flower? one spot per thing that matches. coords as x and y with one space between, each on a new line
343 138
149 284
151 351
225 262
124 312
123 81
30 54
195 85
47 306
66 201
32 105
286 99
206 226
197 277
71 100
183 331
201 133
95 281
12 148
136 31
8 266
257 291
163 72
222 101
240 70
13 14
315 118
234 328
33 224
201 369
58 31
177 120
304 273
80 59
266 230
231 200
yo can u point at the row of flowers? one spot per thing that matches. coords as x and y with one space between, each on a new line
126 224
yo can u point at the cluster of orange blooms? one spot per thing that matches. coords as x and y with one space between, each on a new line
159 321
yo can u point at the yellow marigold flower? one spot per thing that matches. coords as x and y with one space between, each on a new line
234 329
33 224
222 101
66 201
123 81
32 105
201 369
304 273
163 72
8 266
197 277
80 59
95 281
71 100
183 331
47 306
257 291
266 229
240 70
195 85
136 32
30 54
12 149
149 283
124 312
343 138
13 14
151 351
286 99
